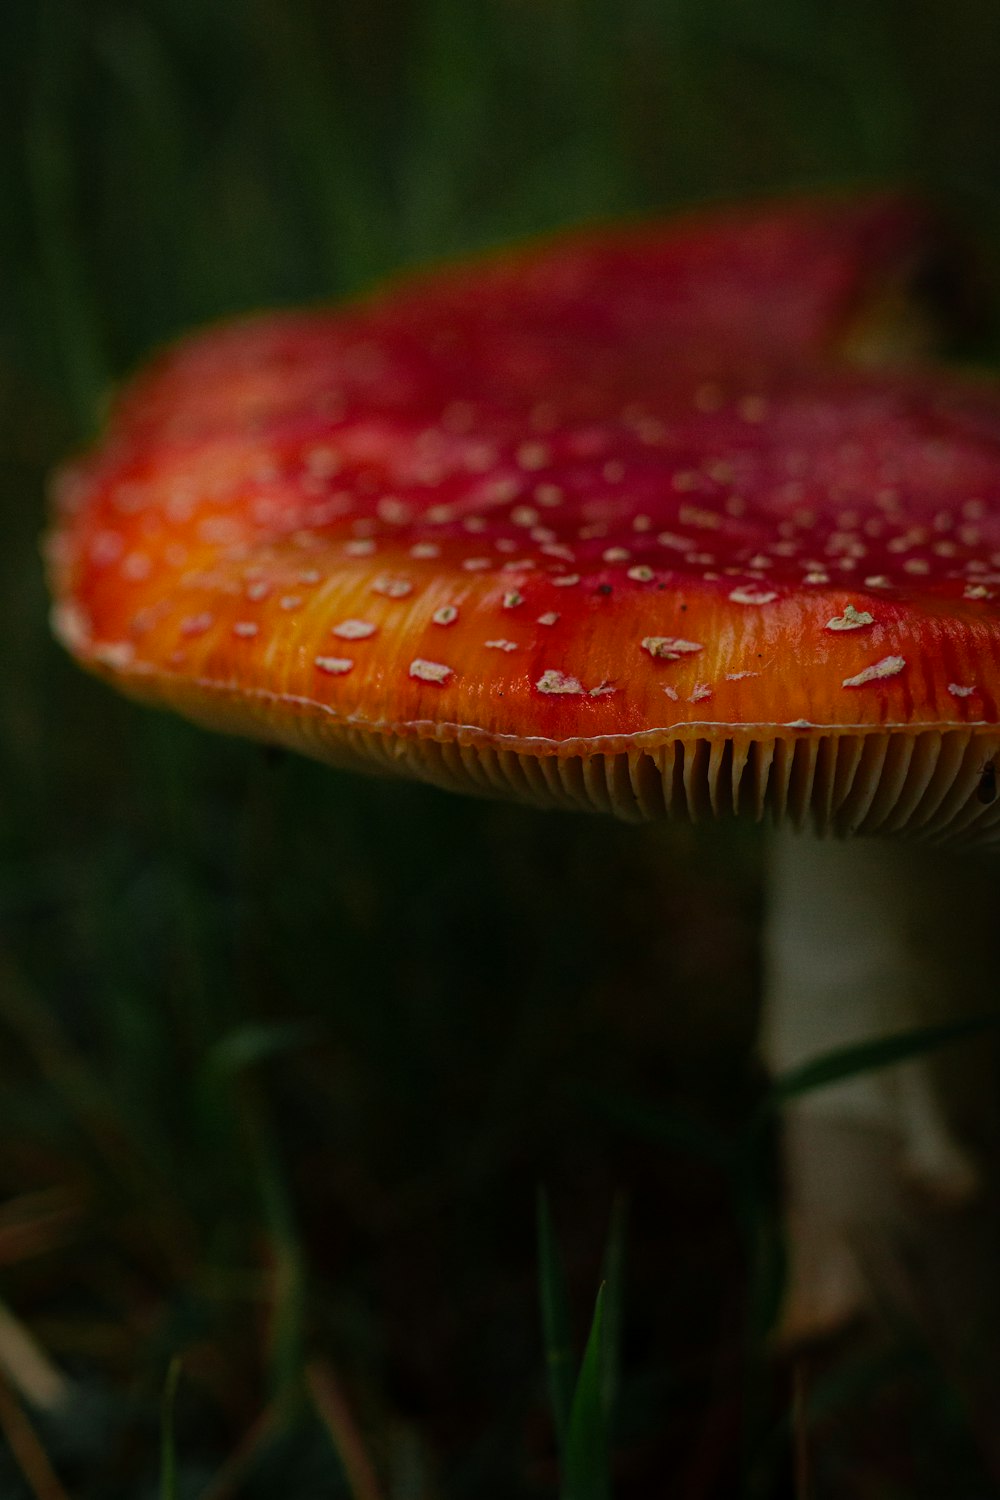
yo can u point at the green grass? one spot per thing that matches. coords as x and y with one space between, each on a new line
168 1444
284 1053
582 1401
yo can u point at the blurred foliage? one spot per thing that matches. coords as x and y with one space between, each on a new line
285 1054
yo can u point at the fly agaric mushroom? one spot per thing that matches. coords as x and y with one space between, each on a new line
619 523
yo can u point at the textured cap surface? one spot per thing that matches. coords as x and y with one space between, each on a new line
612 522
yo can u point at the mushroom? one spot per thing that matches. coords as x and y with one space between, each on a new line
623 522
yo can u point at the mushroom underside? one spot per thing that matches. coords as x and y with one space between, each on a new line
933 783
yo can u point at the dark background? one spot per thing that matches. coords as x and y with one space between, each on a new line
284 1055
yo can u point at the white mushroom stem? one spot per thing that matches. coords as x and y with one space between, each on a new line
866 939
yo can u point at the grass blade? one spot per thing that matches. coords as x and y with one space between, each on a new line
614 1306
254 1042
335 1413
287 1334
54 186
555 1324
20 1442
670 1128
168 1446
867 1057
586 1464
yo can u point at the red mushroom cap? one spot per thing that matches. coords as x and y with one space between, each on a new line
610 522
